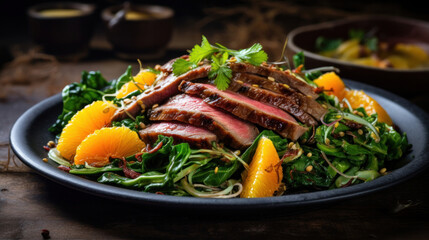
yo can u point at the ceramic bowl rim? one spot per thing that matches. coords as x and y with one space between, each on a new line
309 54
167 13
86 8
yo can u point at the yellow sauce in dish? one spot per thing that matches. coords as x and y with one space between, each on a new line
60 13
135 15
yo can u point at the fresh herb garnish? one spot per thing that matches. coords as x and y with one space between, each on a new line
219 57
220 72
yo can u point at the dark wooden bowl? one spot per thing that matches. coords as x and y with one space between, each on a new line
140 38
391 29
62 36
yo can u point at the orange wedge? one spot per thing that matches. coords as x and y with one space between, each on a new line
94 116
359 98
142 79
265 172
111 142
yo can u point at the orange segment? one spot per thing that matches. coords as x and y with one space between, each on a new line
145 77
331 82
106 143
359 98
142 79
94 116
128 88
265 172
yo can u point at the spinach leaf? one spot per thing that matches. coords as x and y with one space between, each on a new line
342 181
75 97
95 170
178 157
296 176
152 180
94 80
158 160
130 123
324 44
208 176
139 182
298 59
358 34
124 78
92 87
279 143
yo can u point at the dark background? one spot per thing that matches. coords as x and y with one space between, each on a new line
13 19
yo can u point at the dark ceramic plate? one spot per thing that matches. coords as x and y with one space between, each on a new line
30 133
388 29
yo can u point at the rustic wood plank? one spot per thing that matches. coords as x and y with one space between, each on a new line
30 203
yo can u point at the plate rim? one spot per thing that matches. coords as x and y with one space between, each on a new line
418 165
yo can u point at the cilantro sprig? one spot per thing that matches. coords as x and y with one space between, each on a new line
220 57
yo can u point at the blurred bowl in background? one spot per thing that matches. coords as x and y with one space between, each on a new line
138 31
389 28
63 29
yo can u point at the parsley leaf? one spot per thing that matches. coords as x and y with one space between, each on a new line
220 72
253 55
199 53
181 66
219 55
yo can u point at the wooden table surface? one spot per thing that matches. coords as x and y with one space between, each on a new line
31 205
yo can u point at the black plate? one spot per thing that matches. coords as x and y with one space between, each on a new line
30 133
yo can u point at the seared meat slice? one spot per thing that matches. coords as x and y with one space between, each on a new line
232 131
159 92
273 99
280 76
307 104
195 136
247 109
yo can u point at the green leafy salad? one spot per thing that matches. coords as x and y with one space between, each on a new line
348 146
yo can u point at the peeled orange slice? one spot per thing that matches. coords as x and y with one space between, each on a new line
94 116
332 83
142 79
359 98
265 172
106 143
